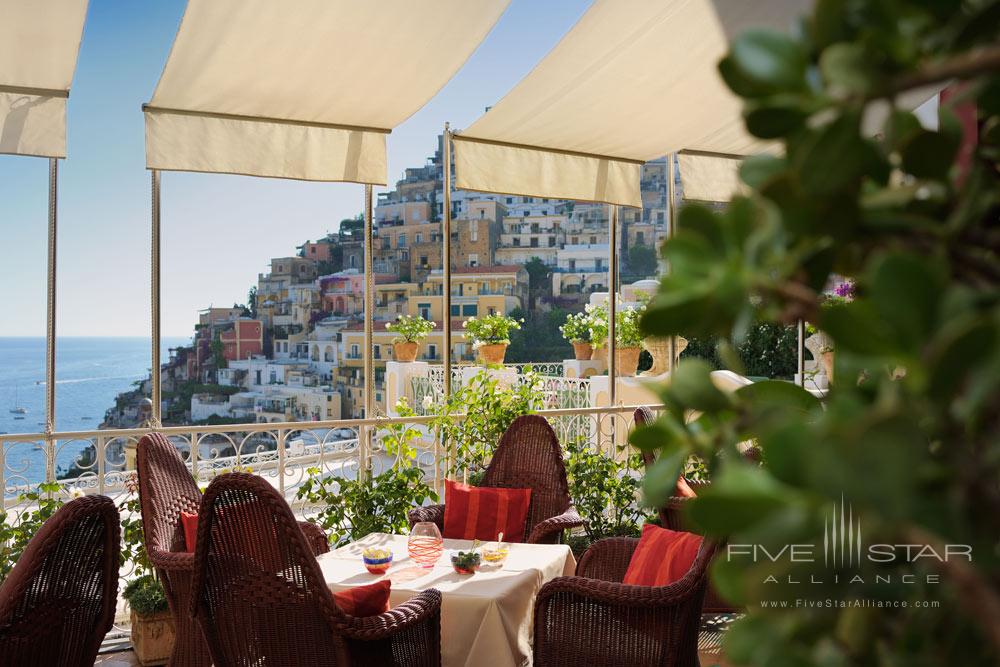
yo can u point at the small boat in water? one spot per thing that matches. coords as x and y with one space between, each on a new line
18 409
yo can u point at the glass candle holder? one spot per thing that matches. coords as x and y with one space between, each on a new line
425 545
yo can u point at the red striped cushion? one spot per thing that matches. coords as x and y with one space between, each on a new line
189 522
662 557
368 600
480 513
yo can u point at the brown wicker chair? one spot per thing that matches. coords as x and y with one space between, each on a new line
260 597
528 456
58 602
166 488
672 513
593 619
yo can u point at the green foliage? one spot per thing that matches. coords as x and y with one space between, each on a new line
539 338
642 261
627 333
17 527
605 492
409 328
133 542
349 509
145 595
218 356
768 350
909 435
597 322
489 329
490 405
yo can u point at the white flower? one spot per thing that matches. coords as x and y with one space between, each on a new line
76 492
465 324
427 402
388 324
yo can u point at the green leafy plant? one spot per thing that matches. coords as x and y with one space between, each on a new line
18 526
145 595
133 544
605 491
576 329
627 332
490 404
490 329
349 509
409 328
910 215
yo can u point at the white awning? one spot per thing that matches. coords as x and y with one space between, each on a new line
306 89
632 81
39 43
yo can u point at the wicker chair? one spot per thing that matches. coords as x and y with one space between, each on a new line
260 597
528 456
593 619
166 488
58 602
672 513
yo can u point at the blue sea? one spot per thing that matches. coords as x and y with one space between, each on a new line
90 373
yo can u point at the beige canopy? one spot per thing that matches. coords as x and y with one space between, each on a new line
39 43
306 89
632 81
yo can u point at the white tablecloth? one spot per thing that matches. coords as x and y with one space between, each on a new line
486 617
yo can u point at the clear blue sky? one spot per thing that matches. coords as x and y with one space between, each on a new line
218 231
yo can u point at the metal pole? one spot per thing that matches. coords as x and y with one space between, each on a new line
671 221
612 302
154 373
801 365
446 258
50 324
365 451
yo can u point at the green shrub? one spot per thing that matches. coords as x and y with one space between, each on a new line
145 595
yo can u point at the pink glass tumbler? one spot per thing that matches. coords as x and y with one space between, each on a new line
425 544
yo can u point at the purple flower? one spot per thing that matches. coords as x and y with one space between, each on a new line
844 290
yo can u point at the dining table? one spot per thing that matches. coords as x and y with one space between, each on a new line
486 617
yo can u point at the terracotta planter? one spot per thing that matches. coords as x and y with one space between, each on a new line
627 360
600 354
582 350
153 638
405 352
493 354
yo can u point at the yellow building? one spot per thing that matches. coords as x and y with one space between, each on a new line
475 291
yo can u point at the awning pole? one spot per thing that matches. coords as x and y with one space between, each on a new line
50 322
366 439
671 221
612 303
154 372
801 364
446 259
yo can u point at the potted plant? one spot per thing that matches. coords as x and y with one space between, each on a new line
597 324
490 336
152 623
577 331
628 340
409 330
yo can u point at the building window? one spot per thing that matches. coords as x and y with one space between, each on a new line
470 310
473 259
534 241
593 239
419 238
423 260
552 242
425 310
355 352
432 351
378 351
401 241
454 310
474 231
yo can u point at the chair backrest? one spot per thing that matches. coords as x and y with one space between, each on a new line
258 592
166 488
59 601
529 457
642 417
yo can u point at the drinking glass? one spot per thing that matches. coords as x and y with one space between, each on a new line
425 544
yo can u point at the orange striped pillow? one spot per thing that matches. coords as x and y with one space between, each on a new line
480 513
662 557
368 600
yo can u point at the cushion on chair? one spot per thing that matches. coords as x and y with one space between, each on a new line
368 600
189 522
481 513
662 557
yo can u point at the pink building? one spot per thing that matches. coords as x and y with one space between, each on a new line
244 340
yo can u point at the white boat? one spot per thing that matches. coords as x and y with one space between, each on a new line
18 409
